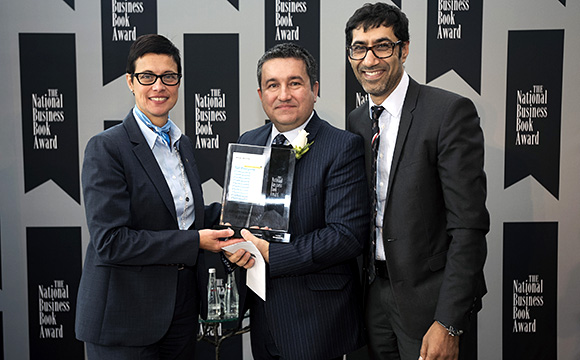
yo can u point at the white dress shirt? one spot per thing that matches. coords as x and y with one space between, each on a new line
290 135
389 126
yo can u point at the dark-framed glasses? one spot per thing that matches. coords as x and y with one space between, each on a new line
381 51
147 78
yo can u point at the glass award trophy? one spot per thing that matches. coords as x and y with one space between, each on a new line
257 190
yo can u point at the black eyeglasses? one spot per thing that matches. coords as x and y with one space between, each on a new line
147 78
381 51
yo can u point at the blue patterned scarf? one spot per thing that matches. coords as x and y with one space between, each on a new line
161 131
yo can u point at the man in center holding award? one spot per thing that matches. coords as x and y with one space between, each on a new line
313 308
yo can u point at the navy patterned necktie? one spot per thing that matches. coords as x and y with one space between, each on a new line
279 140
376 112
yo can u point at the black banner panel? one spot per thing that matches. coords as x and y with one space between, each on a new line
110 123
454 33
235 3
354 94
398 3
1 278
530 278
534 108
294 21
54 272
48 85
212 99
1 335
122 22
70 3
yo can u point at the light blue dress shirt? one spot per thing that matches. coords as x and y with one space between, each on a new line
172 167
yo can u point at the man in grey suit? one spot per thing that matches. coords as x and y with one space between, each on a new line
139 296
313 308
424 155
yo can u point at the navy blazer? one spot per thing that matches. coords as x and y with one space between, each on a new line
435 217
126 295
313 290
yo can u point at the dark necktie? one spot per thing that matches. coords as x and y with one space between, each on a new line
279 140
376 112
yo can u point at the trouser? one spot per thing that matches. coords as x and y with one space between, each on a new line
387 339
181 337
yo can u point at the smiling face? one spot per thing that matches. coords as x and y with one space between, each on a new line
379 77
286 94
158 99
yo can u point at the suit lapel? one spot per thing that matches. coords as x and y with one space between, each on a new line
188 161
312 127
404 125
362 117
147 159
362 126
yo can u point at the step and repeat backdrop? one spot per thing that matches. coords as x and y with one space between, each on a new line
62 67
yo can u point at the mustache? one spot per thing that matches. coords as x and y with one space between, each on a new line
372 68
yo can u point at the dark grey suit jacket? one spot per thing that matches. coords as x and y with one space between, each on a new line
313 291
435 216
126 296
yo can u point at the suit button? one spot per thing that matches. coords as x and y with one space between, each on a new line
391 239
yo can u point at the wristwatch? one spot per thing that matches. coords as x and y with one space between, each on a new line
452 331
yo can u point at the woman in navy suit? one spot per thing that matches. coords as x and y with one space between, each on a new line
139 294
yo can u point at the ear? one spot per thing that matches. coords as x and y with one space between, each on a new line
129 82
315 90
404 51
260 93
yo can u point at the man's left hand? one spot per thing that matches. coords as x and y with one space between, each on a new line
439 345
262 245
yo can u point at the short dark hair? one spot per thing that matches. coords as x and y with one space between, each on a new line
290 50
152 44
371 16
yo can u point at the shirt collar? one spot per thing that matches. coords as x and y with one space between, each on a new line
394 103
291 134
150 135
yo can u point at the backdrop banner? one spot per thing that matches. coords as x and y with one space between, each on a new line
110 123
530 278
454 33
354 94
1 335
48 85
294 21
212 99
1 277
122 22
54 272
235 3
534 108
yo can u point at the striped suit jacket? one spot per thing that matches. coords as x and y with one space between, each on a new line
313 305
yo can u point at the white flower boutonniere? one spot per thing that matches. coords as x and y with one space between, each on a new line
301 144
